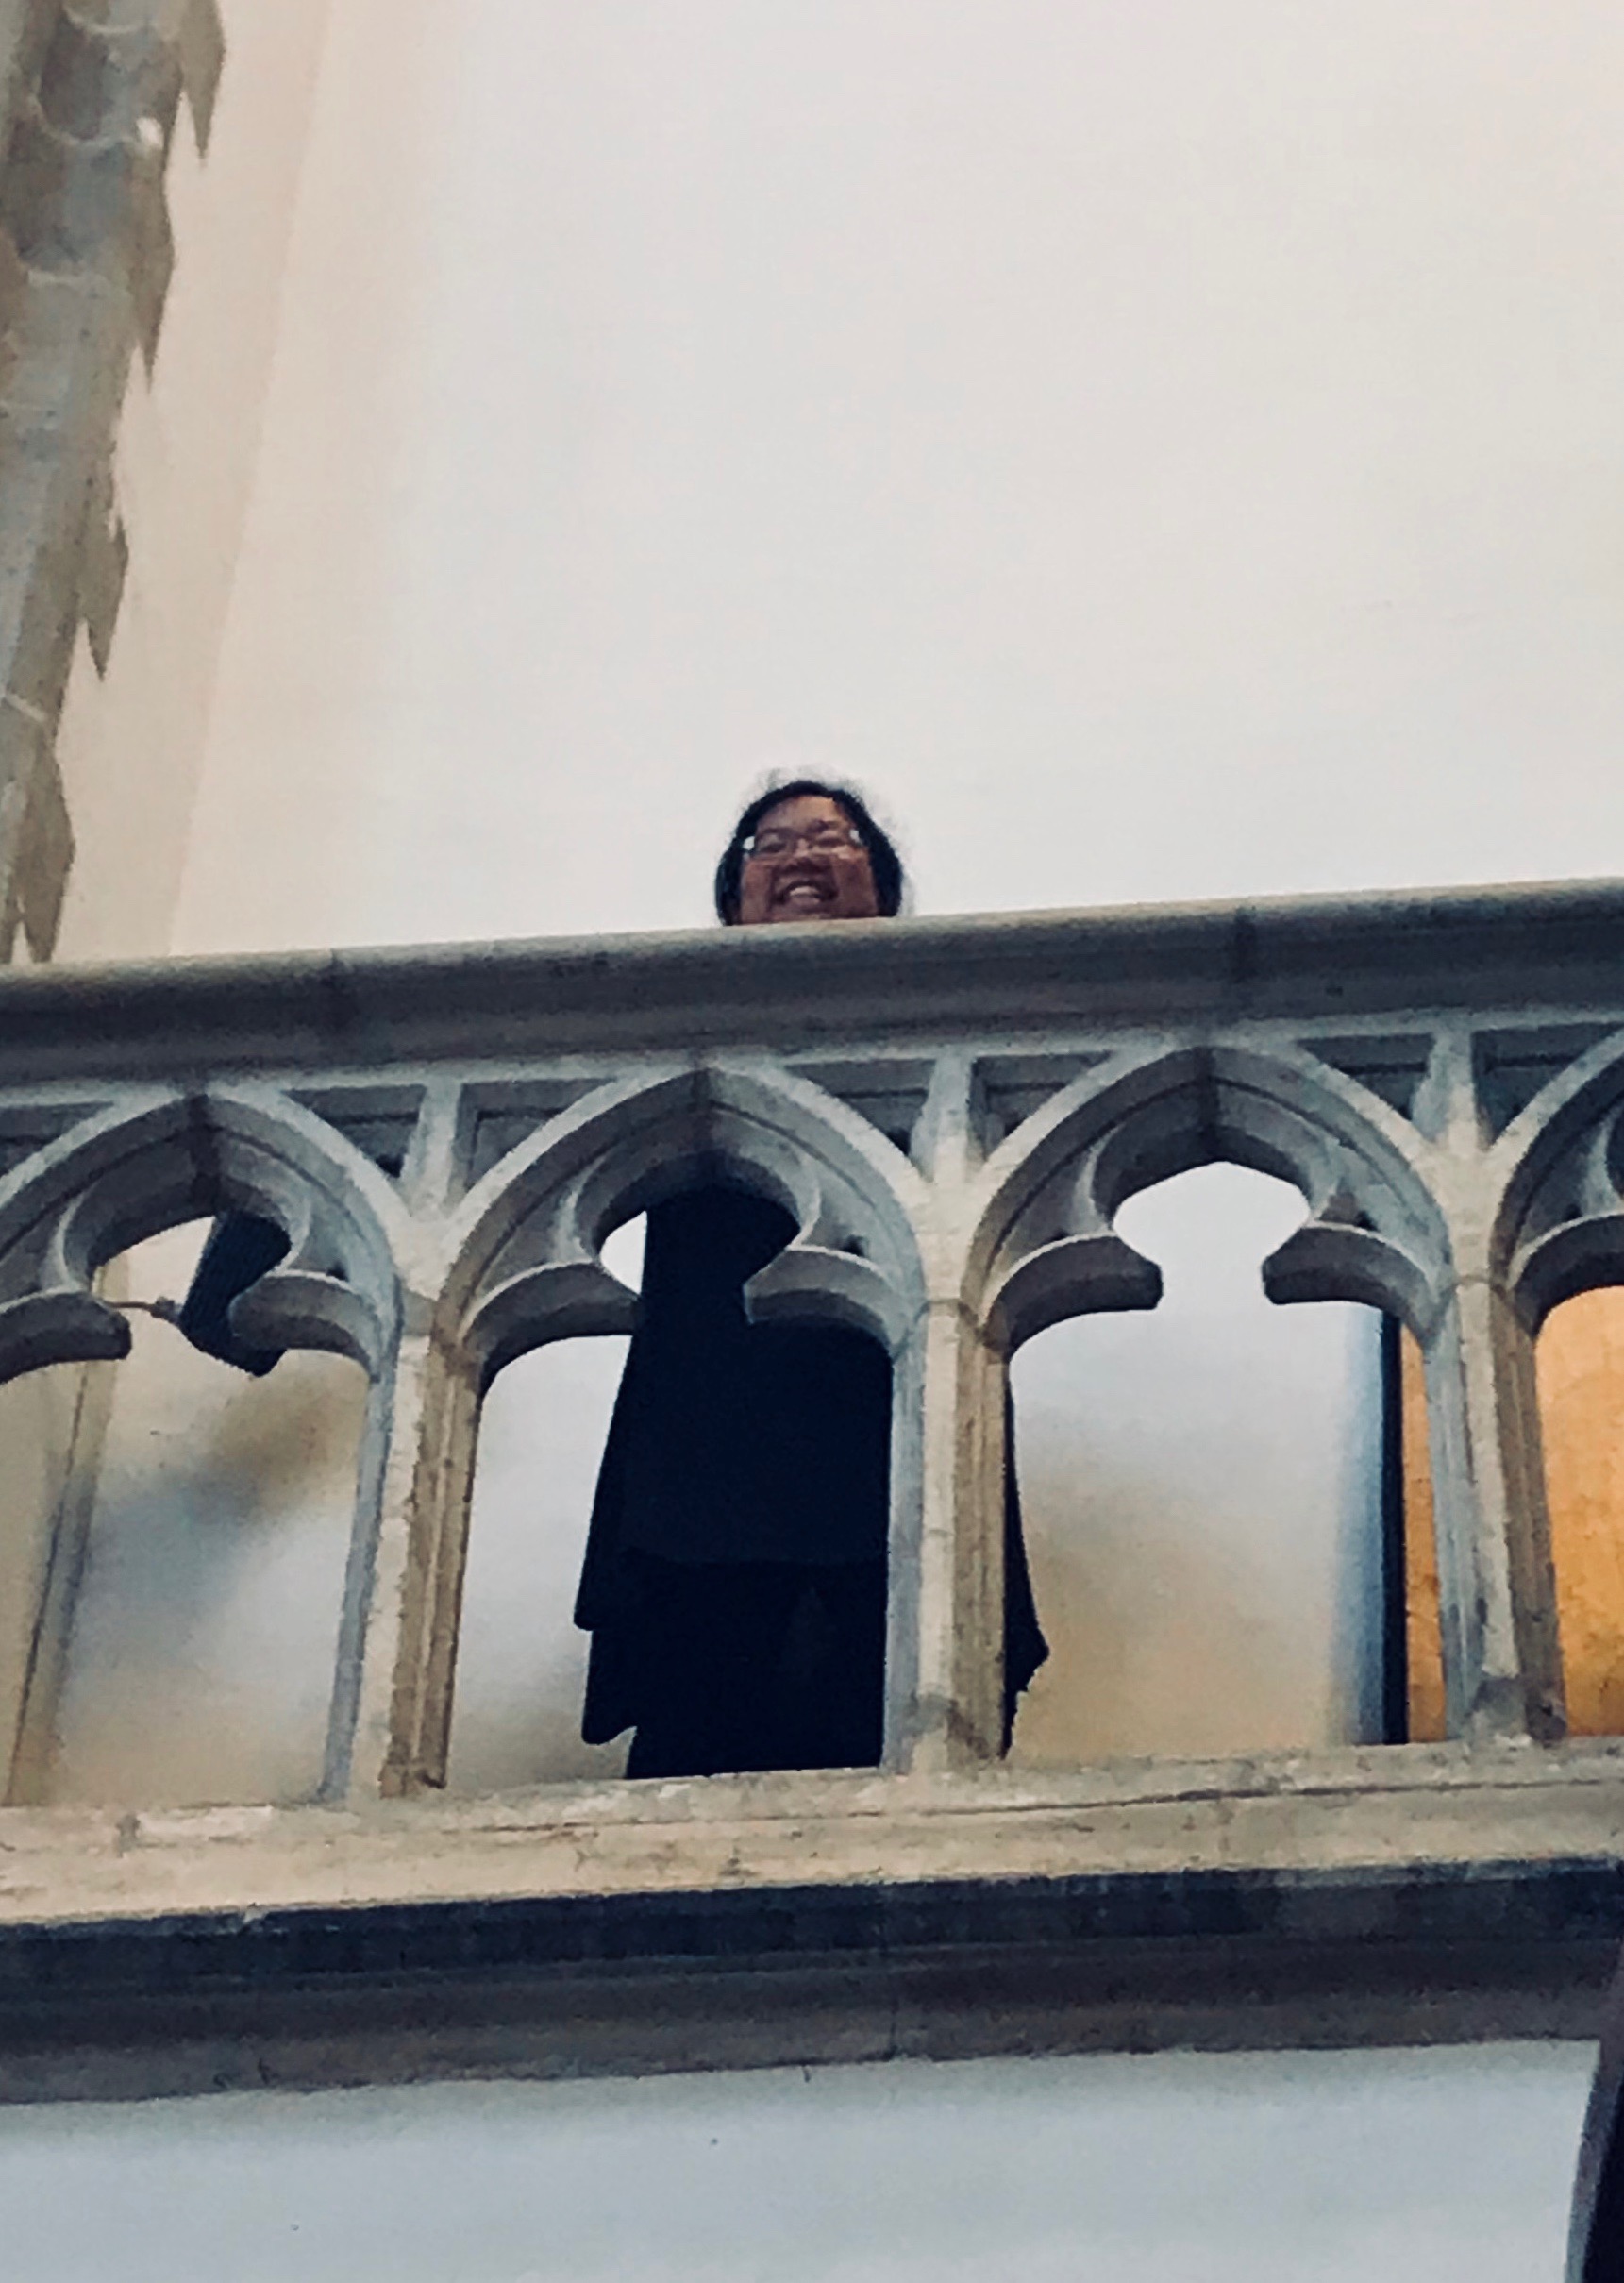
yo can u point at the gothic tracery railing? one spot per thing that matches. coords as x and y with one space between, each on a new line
954 1113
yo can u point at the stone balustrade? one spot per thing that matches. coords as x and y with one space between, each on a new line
954 1111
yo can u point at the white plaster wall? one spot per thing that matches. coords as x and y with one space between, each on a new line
1330 2168
1166 451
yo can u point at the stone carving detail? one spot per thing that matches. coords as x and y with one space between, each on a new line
90 95
1559 1226
447 1211
1047 1248
526 1238
141 1165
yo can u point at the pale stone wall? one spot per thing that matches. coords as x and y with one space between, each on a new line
87 253
133 732
1157 451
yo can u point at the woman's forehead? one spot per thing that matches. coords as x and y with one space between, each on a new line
803 807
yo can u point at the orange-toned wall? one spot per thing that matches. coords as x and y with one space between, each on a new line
1581 1368
1581 1404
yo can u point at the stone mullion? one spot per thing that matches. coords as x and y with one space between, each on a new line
392 1702
391 1727
1501 1661
1528 1508
950 1612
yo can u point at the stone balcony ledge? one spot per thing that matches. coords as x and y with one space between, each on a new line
1411 1895
1444 1807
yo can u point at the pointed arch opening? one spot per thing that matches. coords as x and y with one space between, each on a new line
1353 1226
1202 1493
170 1587
186 1627
678 1547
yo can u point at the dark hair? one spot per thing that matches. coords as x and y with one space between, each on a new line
883 859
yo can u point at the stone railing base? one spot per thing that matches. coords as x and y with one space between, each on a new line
1418 1895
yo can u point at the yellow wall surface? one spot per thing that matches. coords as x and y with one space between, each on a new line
1582 1406
1424 1660
1581 1368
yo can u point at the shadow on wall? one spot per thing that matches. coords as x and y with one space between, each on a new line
1201 1489
200 1661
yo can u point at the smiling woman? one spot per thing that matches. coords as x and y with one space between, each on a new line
805 862
807 850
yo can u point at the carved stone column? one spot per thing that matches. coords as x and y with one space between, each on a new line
947 1651
391 1705
1502 1667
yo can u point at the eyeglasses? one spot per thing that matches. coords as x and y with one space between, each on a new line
827 839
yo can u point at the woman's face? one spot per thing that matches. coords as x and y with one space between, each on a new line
805 861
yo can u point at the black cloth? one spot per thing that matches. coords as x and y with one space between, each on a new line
747 1665
735 1572
240 1248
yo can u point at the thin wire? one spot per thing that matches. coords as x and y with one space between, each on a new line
166 1311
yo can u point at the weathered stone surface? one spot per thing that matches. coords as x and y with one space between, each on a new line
794 1918
90 92
1419 1806
1016 983
979 1208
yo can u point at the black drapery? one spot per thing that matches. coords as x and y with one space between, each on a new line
240 1248
736 1573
